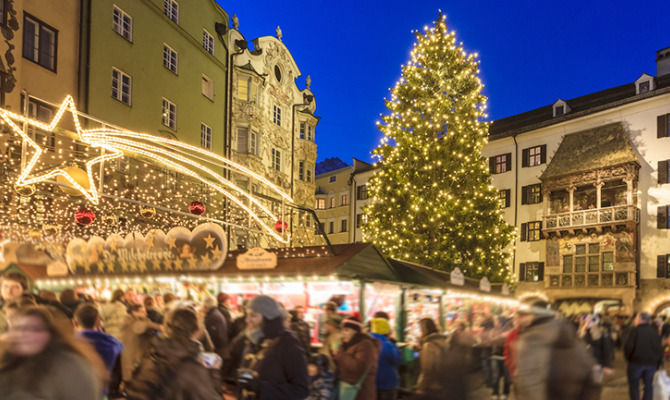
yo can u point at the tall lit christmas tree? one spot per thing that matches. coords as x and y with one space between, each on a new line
432 198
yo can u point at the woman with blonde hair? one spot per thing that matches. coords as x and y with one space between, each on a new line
42 359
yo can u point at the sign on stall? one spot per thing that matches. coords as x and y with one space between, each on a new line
457 277
257 258
505 289
484 285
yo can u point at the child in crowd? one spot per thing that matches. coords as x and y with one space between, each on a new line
321 381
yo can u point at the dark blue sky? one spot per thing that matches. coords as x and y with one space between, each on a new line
532 52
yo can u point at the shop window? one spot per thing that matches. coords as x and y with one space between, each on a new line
39 42
534 156
504 197
500 163
531 271
531 231
531 194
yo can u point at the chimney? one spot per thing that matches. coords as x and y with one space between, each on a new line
663 62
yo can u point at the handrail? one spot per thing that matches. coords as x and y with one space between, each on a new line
593 216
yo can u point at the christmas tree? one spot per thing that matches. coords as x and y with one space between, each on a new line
432 198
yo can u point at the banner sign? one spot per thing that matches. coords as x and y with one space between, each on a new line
484 285
257 258
457 277
205 248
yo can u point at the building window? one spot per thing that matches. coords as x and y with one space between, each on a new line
362 192
169 115
332 178
302 130
276 115
310 136
332 202
331 227
276 159
504 197
663 266
567 264
123 24
500 163
243 89
171 10
121 86
169 58
663 128
254 144
344 226
208 41
344 200
39 42
663 217
643 87
531 194
3 13
301 170
534 156
531 231
531 272
320 204
308 220
205 136
608 261
44 113
663 172
309 175
207 87
559 110
361 219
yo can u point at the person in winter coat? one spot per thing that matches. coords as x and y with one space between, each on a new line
332 340
321 380
223 303
599 340
88 325
300 327
175 369
552 363
388 379
136 336
644 355
215 323
442 368
499 371
278 371
114 314
41 360
357 359
153 313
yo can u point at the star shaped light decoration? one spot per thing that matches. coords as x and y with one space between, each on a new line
25 177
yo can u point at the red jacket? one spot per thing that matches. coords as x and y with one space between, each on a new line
510 350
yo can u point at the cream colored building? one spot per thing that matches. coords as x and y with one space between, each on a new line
274 127
585 182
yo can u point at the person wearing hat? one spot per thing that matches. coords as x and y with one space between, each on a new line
332 341
388 379
277 370
644 354
356 360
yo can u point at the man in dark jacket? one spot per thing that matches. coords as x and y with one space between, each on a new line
278 371
216 326
644 355
300 327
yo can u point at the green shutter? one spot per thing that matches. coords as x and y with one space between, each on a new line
662 126
662 217
525 157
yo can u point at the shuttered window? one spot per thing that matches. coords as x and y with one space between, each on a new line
501 163
663 172
504 197
663 266
663 126
531 194
663 216
531 231
534 156
531 271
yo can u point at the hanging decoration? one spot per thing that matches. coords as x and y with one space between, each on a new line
25 190
79 176
147 212
110 219
84 216
280 226
197 208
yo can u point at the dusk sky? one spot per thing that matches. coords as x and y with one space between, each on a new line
532 52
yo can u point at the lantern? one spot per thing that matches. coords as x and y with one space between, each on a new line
280 226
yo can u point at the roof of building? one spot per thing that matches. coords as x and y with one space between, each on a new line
328 165
361 166
600 147
579 106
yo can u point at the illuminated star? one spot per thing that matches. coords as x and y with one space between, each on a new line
192 262
205 258
172 243
24 179
150 241
217 252
210 240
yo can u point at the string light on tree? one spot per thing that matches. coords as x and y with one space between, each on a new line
432 198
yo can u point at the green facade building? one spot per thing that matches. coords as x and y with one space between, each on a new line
157 66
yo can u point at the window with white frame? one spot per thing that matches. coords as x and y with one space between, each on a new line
301 170
170 58
208 41
276 160
302 130
205 136
121 86
276 115
207 87
309 175
254 143
243 89
39 42
535 156
169 116
171 10
320 204
123 23
344 200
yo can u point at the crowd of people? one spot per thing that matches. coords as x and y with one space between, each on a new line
134 346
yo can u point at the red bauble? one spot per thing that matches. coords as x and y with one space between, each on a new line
280 226
197 208
84 216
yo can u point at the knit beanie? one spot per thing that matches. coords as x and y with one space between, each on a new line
266 306
352 323
380 326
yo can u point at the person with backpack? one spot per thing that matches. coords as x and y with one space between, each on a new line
644 355
551 362
442 371
175 369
